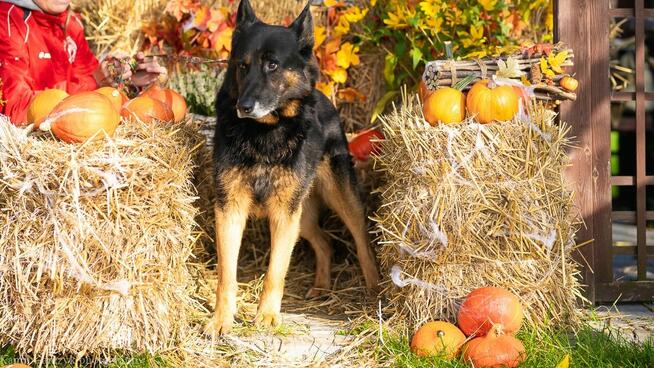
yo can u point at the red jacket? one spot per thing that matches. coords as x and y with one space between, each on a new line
36 54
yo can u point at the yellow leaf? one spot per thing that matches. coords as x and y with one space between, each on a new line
477 54
565 362
555 61
373 2
509 69
543 66
525 81
347 55
339 75
326 88
476 32
488 4
319 36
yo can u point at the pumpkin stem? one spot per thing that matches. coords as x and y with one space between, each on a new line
463 83
45 125
497 330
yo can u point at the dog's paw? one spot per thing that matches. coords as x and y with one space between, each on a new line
268 319
219 326
316 292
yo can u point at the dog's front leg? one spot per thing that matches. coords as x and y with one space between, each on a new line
230 223
284 233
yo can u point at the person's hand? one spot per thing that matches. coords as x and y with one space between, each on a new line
114 70
147 71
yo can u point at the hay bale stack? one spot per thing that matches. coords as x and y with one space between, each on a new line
470 205
96 241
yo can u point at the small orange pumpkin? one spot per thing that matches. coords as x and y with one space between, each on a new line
437 338
147 109
79 117
445 105
495 350
42 104
492 104
117 97
569 83
488 306
170 97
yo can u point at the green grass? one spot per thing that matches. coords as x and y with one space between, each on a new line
588 348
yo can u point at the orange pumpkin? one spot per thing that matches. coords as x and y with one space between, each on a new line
569 83
445 105
488 306
171 98
16 365
492 104
117 97
42 104
495 350
147 109
437 338
82 116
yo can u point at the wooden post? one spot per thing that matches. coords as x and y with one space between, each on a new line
581 25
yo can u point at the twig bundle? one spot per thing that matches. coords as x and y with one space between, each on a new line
97 240
440 73
470 205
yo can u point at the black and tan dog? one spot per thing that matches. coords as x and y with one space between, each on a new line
280 152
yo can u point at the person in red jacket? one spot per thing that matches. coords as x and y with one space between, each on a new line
42 46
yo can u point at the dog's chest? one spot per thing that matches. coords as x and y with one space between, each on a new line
266 188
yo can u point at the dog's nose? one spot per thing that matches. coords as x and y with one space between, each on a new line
246 106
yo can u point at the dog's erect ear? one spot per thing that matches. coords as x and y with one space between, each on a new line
303 27
245 14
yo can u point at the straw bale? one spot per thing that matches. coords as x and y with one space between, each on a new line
96 247
365 78
471 205
115 25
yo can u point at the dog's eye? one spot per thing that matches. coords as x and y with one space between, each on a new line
271 65
242 66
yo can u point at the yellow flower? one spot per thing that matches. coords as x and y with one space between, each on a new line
343 27
347 55
329 3
373 2
434 24
355 14
396 20
430 7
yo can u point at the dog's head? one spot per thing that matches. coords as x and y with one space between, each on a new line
271 67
